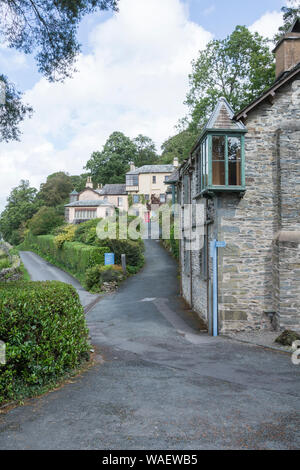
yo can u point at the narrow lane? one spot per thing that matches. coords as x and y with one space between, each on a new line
41 270
162 383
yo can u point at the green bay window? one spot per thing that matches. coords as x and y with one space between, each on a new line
221 161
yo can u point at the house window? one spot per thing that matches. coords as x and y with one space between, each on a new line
85 214
107 212
132 180
162 198
120 201
220 162
136 198
154 179
147 197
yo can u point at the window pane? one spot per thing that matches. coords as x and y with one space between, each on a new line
218 173
234 148
218 157
218 147
234 173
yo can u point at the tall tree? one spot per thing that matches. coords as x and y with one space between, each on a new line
145 151
110 165
178 146
48 29
239 67
12 111
56 190
21 205
290 14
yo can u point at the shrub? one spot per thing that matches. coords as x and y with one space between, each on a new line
83 229
98 274
43 327
67 235
44 221
4 263
74 256
132 249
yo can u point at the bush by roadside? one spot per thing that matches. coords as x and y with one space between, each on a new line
43 327
98 275
74 257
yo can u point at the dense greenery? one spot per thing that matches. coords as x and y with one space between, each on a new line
26 206
111 164
13 111
73 256
21 205
49 30
178 146
45 220
43 327
96 276
239 67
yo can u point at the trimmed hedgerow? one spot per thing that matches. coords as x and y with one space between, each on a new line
74 256
43 327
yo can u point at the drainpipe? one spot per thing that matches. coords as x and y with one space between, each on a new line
191 221
214 245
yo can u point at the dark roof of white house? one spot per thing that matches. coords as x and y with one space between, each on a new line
152 169
113 189
94 203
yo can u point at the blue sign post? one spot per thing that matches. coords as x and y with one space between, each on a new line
214 245
109 259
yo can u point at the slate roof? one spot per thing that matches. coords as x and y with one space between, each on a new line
74 192
173 178
223 117
152 169
113 189
95 203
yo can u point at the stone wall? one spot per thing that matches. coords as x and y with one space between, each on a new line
258 277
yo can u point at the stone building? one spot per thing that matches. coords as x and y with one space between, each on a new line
245 172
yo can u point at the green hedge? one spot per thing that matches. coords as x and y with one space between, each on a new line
76 257
43 327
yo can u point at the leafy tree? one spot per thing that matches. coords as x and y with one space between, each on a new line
56 190
178 146
47 28
290 14
239 67
12 112
79 181
45 219
145 151
111 164
21 205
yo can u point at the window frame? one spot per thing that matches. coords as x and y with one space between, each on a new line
206 142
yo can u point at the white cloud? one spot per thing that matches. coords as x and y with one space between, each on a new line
134 80
209 10
268 24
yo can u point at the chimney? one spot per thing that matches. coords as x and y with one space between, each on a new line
175 162
89 183
287 51
99 186
132 166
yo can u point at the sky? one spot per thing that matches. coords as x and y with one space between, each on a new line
132 77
